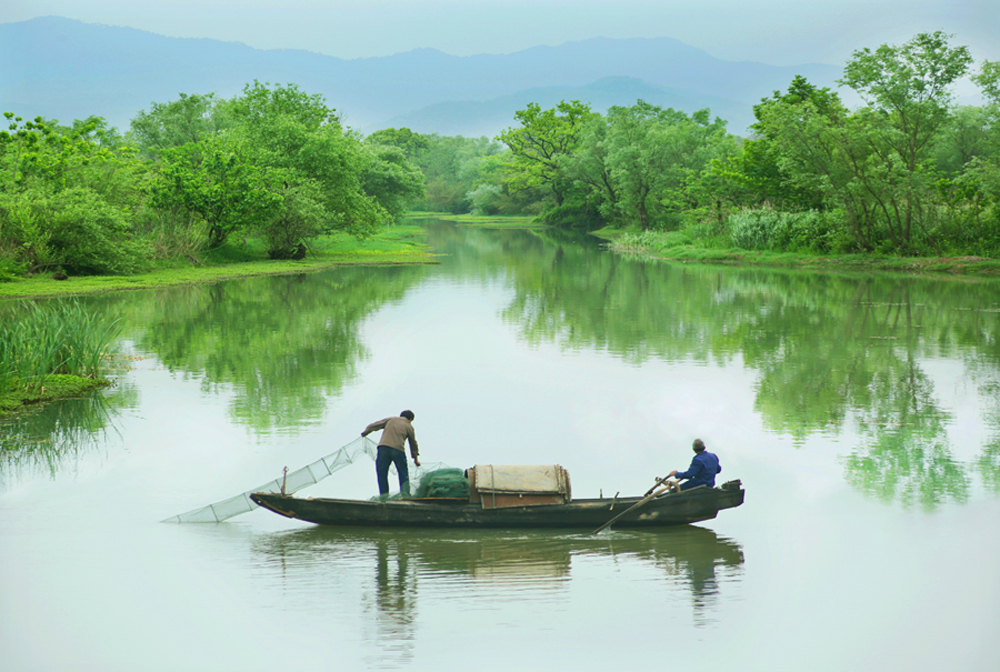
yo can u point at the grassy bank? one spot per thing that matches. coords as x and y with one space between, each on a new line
49 353
52 388
397 245
676 246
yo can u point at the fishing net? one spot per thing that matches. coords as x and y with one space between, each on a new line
294 481
443 483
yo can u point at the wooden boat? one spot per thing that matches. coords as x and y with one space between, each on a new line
675 508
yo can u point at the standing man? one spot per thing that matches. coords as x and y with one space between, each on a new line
703 469
395 432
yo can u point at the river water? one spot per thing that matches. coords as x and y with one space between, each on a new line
862 414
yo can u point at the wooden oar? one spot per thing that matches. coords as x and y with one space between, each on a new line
649 495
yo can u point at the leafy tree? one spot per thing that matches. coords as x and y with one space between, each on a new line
968 156
414 145
654 156
589 165
213 181
544 138
297 217
874 163
391 179
452 167
756 169
907 89
295 133
190 118
58 208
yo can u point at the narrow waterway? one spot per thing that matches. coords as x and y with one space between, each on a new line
862 414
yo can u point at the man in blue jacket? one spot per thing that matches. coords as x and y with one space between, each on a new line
703 469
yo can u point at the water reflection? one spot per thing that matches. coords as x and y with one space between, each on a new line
406 568
833 353
284 344
988 462
45 439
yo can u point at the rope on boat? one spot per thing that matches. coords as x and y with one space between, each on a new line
287 483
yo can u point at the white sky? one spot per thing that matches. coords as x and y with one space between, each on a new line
779 32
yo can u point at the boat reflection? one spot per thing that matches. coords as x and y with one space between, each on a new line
494 565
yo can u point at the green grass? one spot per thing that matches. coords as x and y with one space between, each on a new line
677 246
51 352
52 388
397 245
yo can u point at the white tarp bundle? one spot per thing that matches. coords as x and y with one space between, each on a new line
518 479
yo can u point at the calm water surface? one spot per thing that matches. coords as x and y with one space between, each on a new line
862 414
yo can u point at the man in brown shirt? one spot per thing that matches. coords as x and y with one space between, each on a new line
395 432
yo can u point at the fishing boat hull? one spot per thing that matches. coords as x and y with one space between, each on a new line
681 508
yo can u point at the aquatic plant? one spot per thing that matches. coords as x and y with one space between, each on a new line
38 340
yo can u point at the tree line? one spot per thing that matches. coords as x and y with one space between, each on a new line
274 163
908 172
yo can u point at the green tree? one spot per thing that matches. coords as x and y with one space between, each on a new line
414 145
190 118
453 166
212 180
654 158
295 134
757 170
391 179
543 139
908 92
61 205
874 163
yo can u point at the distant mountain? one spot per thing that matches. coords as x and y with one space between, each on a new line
473 119
65 69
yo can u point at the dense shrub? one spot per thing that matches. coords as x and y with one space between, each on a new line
74 229
485 199
769 229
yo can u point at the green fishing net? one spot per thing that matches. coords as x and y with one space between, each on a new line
443 483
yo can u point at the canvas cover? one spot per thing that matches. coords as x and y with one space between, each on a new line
522 479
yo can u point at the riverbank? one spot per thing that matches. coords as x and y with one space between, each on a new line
673 246
54 387
397 245
482 221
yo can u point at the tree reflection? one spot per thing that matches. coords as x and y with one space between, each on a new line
44 439
988 462
831 351
284 344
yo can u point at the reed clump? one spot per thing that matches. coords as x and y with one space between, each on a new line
55 339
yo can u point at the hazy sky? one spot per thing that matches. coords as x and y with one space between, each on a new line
780 32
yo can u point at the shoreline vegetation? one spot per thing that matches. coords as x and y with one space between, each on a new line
59 351
397 245
671 246
909 180
54 351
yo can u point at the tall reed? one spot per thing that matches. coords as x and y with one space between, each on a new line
39 340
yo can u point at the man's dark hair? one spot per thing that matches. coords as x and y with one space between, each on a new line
408 415
699 445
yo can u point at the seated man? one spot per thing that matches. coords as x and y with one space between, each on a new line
703 469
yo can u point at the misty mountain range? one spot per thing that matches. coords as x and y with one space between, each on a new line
65 69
